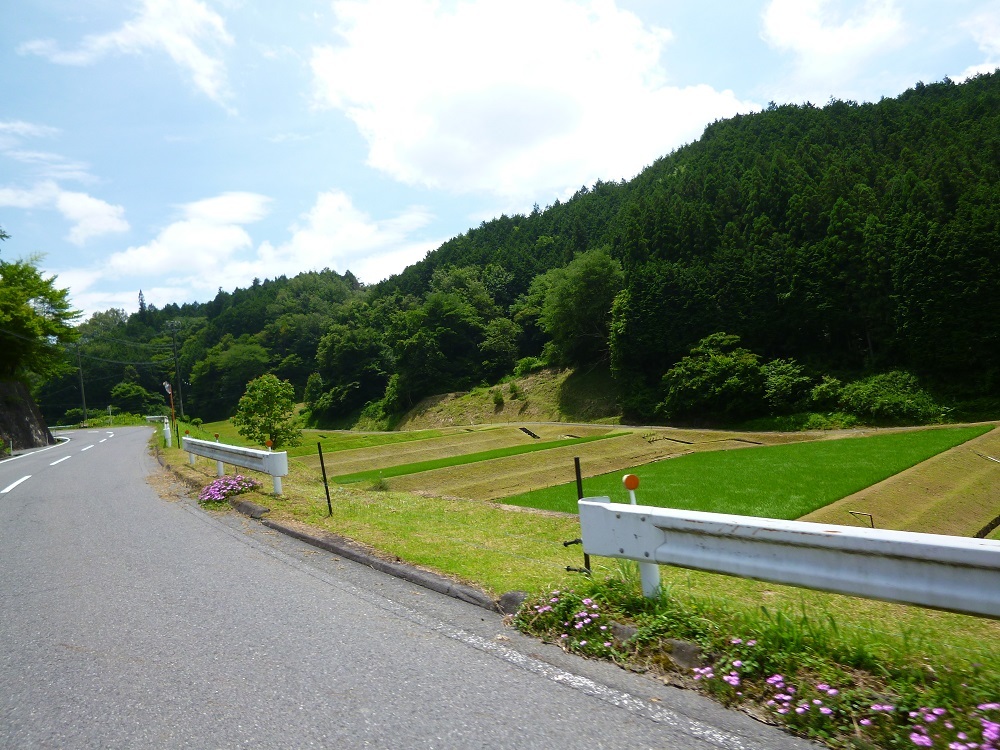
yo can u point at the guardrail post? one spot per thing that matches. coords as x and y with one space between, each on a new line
220 468
190 454
649 573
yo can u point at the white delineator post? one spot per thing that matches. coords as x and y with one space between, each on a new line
276 479
649 573
220 468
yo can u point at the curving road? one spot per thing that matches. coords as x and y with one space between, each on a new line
132 621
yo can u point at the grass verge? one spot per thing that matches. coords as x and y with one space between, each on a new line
825 672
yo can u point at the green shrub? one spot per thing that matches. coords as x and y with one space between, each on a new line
718 379
528 365
894 396
826 393
314 390
786 386
74 416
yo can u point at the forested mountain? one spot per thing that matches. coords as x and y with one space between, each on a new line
843 240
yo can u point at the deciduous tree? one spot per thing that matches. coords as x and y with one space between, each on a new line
266 412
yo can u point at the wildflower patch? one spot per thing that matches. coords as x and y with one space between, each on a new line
226 487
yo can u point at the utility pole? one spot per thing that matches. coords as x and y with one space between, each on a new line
177 373
83 393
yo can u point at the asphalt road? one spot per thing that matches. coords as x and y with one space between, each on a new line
132 620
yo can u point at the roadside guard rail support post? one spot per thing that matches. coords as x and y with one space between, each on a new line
956 574
275 464
166 427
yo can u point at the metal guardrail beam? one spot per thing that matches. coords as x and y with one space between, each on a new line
931 570
268 462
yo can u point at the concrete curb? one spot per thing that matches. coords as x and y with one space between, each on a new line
352 551
249 508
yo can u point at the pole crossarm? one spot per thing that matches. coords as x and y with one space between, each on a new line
957 574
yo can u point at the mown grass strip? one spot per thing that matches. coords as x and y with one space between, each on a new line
782 481
334 442
470 458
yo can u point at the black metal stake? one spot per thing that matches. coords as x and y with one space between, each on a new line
579 496
326 486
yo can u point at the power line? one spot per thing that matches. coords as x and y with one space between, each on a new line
121 362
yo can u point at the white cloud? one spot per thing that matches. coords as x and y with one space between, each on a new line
200 245
52 166
831 47
208 247
180 28
336 234
89 216
984 28
446 99
24 129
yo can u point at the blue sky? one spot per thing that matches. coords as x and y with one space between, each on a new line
180 146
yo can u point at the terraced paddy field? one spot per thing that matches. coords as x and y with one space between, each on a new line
493 478
460 442
955 492
950 487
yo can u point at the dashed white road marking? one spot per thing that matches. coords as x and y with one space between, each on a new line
60 460
9 487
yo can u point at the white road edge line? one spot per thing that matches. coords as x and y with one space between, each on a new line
40 450
9 487
619 698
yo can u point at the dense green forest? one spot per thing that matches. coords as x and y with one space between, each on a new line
800 258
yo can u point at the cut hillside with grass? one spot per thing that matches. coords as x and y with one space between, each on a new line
548 395
784 481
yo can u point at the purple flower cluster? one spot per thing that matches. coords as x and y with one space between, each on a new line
579 620
227 486
934 724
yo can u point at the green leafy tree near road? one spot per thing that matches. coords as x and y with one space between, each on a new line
266 412
134 399
35 320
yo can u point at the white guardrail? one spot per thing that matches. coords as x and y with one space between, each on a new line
957 574
269 462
